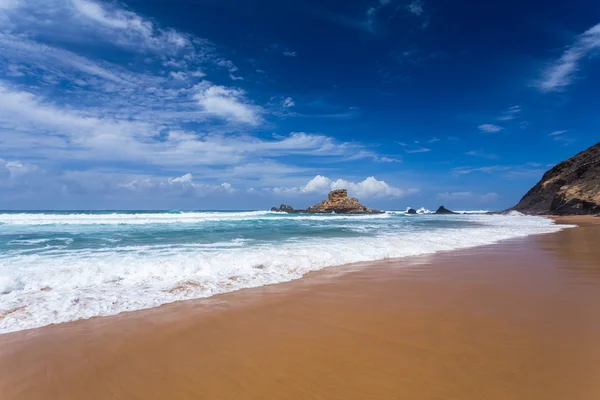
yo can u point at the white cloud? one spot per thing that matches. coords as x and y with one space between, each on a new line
131 25
556 133
562 72
187 178
181 76
319 184
31 126
228 64
15 169
290 54
419 150
288 102
179 185
198 74
388 159
369 187
510 113
228 103
81 108
490 128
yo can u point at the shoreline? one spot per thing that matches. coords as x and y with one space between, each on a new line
294 264
343 326
324 273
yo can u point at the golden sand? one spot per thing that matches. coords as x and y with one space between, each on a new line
516 320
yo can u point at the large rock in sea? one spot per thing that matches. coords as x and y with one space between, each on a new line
339 203
571 187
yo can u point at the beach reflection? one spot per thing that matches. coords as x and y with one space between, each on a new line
579 249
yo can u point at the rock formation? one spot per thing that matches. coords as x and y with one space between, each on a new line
569 188
444 210
283 208
339 203
411 211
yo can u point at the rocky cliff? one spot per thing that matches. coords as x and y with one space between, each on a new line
571 187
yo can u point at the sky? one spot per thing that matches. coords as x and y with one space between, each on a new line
212 104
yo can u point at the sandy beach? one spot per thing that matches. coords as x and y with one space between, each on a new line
515 320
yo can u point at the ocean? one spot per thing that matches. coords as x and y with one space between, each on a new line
64 266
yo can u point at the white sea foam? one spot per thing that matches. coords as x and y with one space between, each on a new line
159 218
65 285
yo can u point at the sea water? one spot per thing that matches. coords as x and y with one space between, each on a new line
64 266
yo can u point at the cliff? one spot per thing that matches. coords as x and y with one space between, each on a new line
572 187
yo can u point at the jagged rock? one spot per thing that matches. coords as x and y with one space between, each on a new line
444 210
571 187
339 203
283 208
411 211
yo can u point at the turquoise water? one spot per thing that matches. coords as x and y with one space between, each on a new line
63 266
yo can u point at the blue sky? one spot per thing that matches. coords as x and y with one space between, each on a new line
242 105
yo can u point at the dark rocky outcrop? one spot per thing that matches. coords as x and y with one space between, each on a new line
571 187
283 208
444 210
338 202
411 211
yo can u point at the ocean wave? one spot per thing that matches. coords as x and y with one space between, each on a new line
163 218
66 285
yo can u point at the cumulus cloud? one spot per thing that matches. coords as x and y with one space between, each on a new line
228 103
181 76
490 128
369 187
562 72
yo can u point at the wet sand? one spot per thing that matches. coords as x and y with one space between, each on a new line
516 320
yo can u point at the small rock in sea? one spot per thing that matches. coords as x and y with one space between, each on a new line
444 210
283 208
411 211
